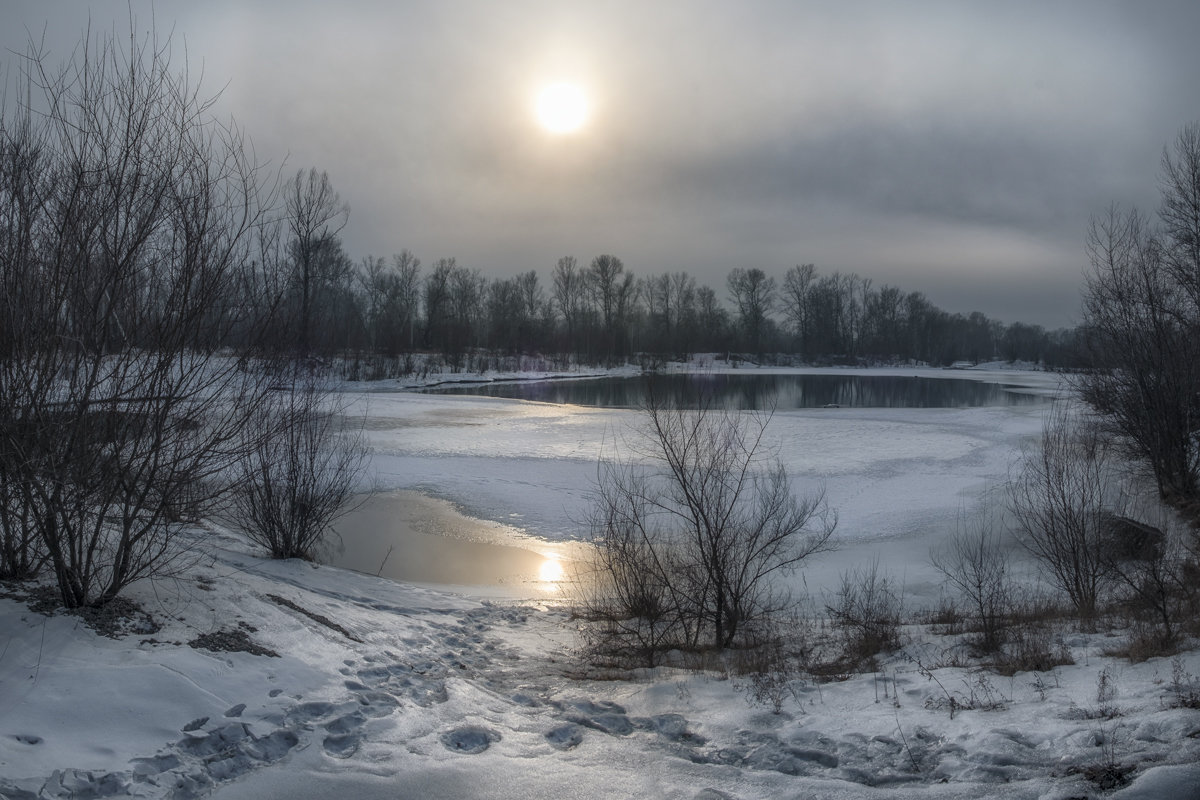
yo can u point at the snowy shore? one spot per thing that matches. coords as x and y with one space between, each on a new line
339 684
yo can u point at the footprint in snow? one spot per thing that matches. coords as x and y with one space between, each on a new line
347 723
470 739
307 712
565 737
604 716
342 745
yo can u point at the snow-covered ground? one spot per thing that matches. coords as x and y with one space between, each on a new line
373 688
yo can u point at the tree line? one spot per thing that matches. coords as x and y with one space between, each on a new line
601 312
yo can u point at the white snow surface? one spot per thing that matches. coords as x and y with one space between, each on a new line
381 689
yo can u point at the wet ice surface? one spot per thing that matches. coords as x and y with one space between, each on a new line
423 693
405 535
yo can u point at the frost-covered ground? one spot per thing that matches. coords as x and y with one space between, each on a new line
380 689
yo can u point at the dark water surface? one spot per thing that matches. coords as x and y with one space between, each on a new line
759 391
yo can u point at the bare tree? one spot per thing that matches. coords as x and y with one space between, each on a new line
569 295
883 323
684 312
21 555
298 470
795 300
467 287
711 319
1062 497
709 518
391 291
1180 211
315 216
1142 326
1142 333
670 304
129 223
407 295
656 295
374 282
436 297
506 315
753 293
614 293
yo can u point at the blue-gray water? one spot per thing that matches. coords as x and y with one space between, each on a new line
759 391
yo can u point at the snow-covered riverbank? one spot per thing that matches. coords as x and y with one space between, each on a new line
363 687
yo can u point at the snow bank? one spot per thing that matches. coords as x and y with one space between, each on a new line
379 689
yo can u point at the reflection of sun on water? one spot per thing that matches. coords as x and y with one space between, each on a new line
551 571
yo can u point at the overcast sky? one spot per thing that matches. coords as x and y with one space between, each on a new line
954 148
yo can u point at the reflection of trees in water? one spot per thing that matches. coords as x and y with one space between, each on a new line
766 391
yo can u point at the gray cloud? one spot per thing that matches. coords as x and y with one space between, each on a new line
948 147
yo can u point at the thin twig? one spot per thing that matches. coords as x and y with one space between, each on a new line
386 556
907 749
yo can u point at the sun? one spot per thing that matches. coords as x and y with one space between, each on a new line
561 108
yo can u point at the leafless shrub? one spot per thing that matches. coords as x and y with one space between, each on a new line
1185 687
128 232
298 471
1041 686
867 609
776 666
691 528
627 601
975 564
1141 642
983 695
1110 770
1061 498
946 619
1031 646
977 692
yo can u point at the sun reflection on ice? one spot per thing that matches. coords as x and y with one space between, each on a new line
551 571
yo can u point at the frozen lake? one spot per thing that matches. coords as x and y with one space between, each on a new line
900 479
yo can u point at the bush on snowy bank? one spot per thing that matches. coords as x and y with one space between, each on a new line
131 222
140 274
297 471
690 529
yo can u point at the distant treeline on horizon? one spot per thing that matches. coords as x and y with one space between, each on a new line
602 313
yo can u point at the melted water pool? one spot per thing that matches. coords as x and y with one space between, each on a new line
405 535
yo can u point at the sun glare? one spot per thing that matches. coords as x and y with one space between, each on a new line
551 571
562 108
